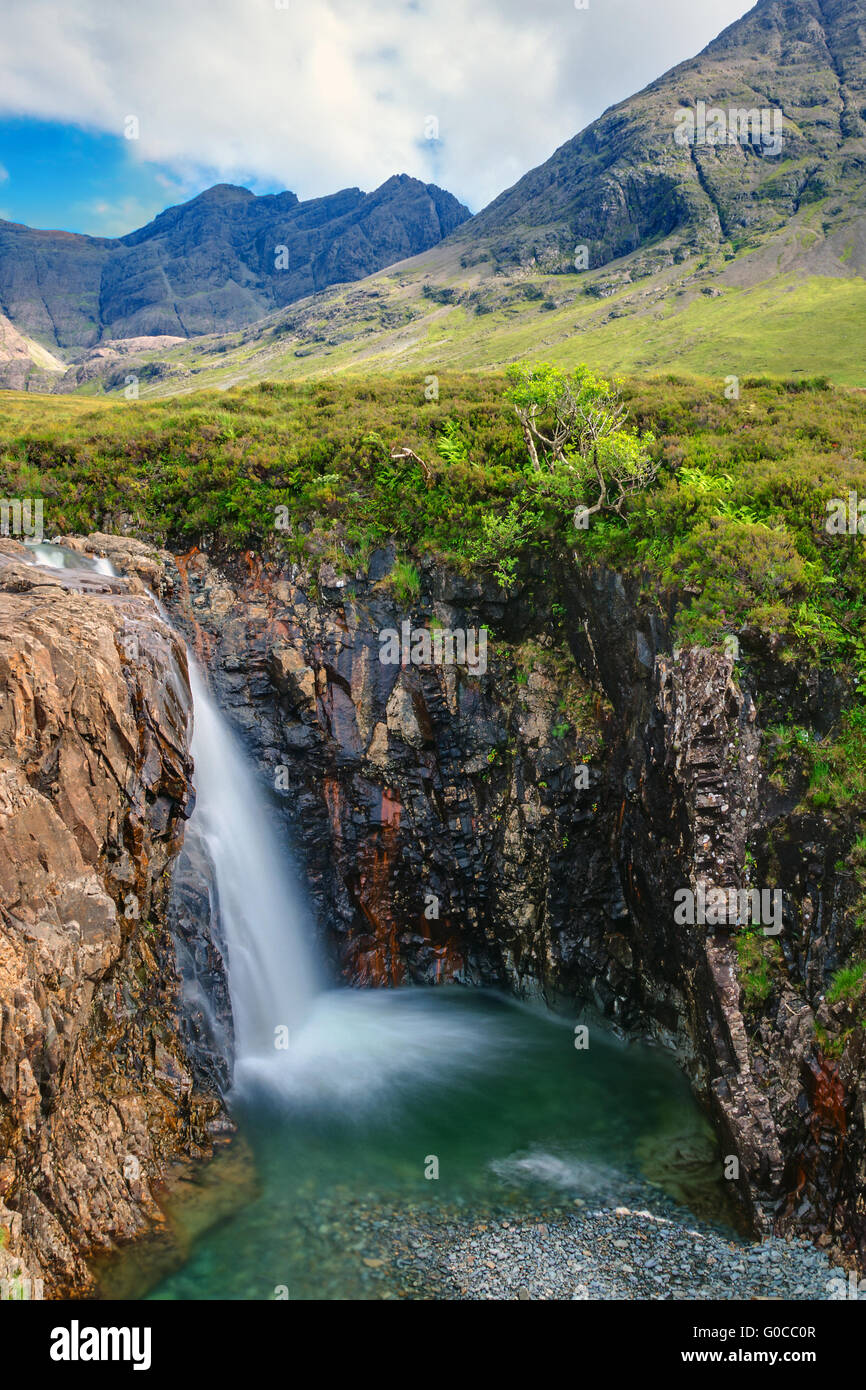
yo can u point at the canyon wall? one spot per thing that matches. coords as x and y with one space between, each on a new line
525 820
530 825
98 1096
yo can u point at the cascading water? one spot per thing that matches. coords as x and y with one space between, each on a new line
267 932
57 557
350 1050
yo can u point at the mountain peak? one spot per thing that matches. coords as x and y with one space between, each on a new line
225 193
627 180
218 262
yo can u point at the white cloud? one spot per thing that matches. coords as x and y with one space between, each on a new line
335 93
113 218
4 174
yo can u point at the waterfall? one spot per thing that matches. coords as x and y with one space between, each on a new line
349 1052
267 932
306 1048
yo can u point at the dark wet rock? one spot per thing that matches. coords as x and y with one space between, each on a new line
531 824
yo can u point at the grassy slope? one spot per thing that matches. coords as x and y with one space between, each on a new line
788 303
737 513
787 327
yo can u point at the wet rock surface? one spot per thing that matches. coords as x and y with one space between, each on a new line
96 1092
530 824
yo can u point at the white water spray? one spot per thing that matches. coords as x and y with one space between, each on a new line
354 1052
57 557
267 931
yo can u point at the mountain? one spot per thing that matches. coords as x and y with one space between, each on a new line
19 355
710 258
626 182
745 255
222 260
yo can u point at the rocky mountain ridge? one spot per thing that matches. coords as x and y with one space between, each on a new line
628 181
629 249
220 261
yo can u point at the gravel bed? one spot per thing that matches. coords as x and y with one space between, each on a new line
624 1254
578 1254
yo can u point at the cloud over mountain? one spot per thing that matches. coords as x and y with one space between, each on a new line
338 93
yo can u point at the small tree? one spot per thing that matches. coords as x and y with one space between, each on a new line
575 432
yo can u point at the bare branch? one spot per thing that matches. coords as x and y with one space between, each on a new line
406 453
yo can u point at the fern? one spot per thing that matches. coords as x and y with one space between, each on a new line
451 444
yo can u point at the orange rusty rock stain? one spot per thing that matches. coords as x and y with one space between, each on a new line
391 808
449 960
379 963
331 789
828 1098
203 642
827 1127
253 563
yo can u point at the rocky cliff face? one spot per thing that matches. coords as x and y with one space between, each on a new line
97 1094
625 180
525 815
531 824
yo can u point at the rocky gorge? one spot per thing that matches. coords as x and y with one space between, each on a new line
525 826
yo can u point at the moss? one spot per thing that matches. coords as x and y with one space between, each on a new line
583 708
848 983
831 1046
838 777
405 581
759 962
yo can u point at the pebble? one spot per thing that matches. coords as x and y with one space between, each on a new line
650 1249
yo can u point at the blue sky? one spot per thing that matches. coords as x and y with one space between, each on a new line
62 176
311 95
